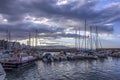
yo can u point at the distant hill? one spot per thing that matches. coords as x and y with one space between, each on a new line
53 47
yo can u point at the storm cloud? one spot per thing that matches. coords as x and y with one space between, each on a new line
28 15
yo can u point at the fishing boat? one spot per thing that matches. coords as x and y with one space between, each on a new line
2 73
13 60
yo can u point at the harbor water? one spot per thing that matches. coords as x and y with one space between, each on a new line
101 69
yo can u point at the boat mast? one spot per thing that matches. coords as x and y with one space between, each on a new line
9 34
36 38
96 38
76 38
2 44
79 39
82 43
29 39
7 39
33 40
91 45
100 43
85 34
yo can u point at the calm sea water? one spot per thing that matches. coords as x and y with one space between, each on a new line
104 69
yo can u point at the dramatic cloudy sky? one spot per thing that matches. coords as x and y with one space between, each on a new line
57 20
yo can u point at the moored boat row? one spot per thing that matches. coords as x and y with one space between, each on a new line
49 56
12 60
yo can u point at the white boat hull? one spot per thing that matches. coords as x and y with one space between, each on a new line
2 73
2 77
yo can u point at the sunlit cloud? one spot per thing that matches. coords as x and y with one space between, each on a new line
61 2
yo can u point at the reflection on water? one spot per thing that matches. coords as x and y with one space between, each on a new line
105 69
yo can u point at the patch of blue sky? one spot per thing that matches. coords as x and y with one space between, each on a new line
102 3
